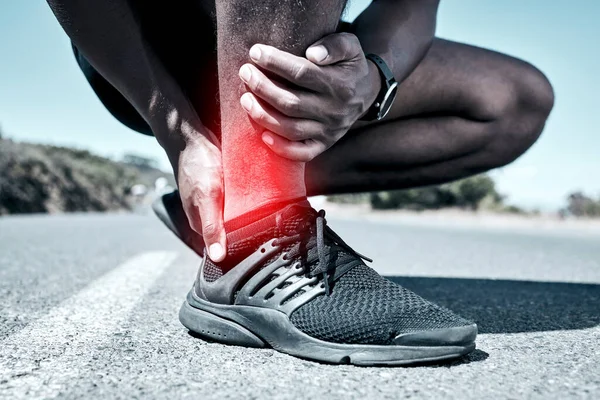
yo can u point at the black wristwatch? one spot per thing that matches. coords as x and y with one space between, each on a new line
386 95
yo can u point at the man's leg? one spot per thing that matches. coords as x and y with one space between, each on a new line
253 174
289 281
464 110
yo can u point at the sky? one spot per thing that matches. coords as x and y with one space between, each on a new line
45 98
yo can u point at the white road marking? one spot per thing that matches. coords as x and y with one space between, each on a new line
40 360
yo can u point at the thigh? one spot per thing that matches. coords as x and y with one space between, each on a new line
183 37
463 110
460 80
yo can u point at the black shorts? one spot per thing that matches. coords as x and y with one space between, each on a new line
112 99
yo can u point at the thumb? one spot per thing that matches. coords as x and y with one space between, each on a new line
213 230
334 48
205 215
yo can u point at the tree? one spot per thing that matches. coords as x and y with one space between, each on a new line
580 205
473 190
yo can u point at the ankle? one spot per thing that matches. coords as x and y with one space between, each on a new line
240 205
245 233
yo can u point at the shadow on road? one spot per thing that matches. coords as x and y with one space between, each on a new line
502 306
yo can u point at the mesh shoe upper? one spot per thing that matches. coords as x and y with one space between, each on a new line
362 307
365 308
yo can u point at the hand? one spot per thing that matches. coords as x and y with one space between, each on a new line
330 90
200 181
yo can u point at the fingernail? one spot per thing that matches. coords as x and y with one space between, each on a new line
255 53
215 251
318 53
268 139
246 102
245 73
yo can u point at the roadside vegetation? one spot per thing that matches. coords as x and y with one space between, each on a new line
581 205
39 178
51 179
473 193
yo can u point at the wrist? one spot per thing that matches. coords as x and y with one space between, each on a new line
388 89
177 134
375 85
175 122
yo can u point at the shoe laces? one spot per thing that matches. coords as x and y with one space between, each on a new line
303 234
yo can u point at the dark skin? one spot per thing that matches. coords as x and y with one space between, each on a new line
460 110
254 175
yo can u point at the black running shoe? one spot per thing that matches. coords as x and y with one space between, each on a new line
302 291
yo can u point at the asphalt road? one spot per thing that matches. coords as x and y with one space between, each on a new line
88 309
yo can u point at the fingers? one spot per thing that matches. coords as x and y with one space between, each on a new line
297 151
335 48
294 69
290 128
293 104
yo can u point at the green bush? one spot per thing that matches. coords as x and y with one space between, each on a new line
352 198
466 193
413 199
471 193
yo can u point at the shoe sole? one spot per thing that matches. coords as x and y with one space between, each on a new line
262 327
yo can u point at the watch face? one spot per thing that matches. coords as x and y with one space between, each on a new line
388 100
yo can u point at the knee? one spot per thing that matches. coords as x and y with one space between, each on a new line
517 107
534 101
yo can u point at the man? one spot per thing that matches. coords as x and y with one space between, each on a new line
258 103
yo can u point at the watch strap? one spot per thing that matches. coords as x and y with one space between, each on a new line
384 70
387 78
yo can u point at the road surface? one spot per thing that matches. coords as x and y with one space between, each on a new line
88 309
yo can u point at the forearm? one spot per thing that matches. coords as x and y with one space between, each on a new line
110 35
399 31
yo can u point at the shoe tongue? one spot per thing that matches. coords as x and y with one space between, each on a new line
294 218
